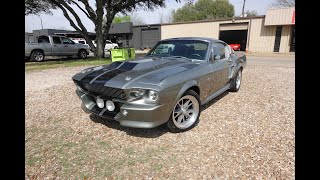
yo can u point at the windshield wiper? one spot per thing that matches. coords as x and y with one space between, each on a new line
193 60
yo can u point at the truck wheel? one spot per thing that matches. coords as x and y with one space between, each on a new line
82 54
236 82
37 55
185 114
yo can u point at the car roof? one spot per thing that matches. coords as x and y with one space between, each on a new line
194 38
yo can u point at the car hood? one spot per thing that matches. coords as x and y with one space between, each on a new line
138 73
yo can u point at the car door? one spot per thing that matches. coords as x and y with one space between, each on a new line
219 67
58 48
69 46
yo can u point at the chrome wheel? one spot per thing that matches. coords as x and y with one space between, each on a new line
82 54
185 112
238 80
38 56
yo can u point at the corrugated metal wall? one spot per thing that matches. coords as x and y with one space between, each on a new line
282 16
205 29
201 29
261 38
285 39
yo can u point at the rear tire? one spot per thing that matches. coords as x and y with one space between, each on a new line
185 114
236 82
37 55
82 54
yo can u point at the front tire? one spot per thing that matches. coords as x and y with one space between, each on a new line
185 114
236 82
82 54
37 55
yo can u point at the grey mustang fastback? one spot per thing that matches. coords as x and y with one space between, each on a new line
169 85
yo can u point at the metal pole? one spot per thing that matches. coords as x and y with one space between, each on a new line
244 3
41 21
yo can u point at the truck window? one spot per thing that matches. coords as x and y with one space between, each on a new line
66 41
43 39
56 40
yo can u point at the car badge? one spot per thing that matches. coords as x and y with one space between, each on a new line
128 78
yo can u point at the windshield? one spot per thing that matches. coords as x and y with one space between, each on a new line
192 49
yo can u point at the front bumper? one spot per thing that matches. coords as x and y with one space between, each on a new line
138 115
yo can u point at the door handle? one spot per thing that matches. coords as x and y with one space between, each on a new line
65 46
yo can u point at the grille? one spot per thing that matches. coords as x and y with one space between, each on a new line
103 91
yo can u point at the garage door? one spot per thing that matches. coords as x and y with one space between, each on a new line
150 37
233 26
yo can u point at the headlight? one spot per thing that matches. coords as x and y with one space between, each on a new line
136 93
153 96
150 96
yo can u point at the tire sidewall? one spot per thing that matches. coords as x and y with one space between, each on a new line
172 127
79 54
234 82
33 56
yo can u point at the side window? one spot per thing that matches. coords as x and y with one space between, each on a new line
227 51
66 40
219 49
56 40
43 39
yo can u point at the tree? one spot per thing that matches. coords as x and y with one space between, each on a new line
283 3
203 9
251 13
121 19
102 11
37 7
137 20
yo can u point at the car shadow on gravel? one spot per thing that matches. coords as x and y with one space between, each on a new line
214 100
138 132
145 133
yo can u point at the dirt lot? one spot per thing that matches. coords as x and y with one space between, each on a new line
249 134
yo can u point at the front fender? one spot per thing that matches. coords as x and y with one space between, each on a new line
185 87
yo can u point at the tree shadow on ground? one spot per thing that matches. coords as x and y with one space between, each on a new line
138 132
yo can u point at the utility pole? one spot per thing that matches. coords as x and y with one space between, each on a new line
41 21
244 3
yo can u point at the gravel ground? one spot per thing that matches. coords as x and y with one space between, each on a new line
244 135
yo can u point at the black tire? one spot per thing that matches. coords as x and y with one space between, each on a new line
37 55
82 54
172 125
234 87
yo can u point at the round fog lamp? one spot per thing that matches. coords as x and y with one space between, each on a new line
100 103
153 95
110 105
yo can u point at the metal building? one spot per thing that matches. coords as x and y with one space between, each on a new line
273 32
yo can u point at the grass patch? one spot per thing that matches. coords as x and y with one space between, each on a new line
32 66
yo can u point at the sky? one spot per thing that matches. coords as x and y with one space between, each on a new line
58 21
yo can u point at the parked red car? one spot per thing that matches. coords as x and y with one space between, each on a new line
235 47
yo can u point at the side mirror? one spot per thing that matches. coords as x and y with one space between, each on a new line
217 57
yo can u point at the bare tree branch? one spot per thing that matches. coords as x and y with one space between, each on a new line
89 9
283 3
85 12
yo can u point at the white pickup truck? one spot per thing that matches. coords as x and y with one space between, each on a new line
55 46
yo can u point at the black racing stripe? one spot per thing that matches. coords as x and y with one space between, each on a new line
109 75
128 66
94 74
